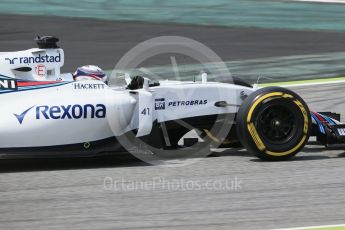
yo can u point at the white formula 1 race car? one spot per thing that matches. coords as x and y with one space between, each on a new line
45 113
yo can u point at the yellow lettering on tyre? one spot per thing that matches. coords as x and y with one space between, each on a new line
256 137
289 151
305 116
258 101
251 127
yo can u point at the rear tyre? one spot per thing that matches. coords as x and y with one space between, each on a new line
273 123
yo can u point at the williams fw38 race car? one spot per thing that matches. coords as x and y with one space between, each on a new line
45 113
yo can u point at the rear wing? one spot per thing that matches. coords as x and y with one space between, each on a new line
37 64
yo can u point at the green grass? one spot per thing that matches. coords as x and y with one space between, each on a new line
323 80
242 13
328 228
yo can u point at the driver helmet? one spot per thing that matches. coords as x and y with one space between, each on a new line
90 72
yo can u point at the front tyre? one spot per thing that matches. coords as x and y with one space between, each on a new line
273 123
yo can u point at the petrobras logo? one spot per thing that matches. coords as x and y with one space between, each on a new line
33 60
187 103
159 104
63 112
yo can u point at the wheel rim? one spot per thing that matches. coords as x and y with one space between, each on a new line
276 123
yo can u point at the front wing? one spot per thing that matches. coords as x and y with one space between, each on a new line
327 128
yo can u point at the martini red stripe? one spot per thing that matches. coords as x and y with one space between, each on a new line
34 83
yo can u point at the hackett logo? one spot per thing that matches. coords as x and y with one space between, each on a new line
65 112
89 86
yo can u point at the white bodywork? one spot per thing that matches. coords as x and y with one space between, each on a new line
41 64
66 112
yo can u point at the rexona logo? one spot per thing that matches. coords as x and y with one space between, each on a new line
62 112
6 84
33 60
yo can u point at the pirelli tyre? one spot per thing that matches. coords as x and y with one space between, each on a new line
273 123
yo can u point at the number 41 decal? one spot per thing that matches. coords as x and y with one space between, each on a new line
146 111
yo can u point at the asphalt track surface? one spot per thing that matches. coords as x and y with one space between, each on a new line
87 41
70 193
